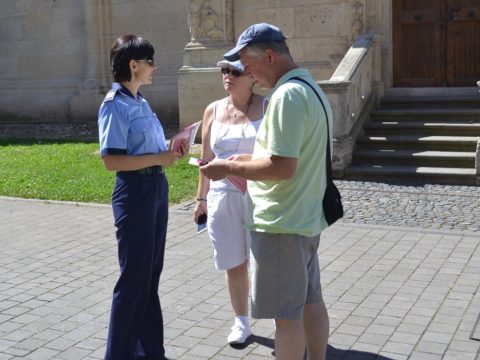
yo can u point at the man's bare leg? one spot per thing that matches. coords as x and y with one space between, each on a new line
316 325
289 339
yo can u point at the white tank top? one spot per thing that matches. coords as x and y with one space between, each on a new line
227 140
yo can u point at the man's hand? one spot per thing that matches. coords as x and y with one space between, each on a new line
215 170
240 157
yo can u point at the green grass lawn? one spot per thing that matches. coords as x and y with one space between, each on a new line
73 171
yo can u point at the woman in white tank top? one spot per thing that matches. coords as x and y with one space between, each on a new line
229 127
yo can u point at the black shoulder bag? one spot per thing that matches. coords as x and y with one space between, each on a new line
332 200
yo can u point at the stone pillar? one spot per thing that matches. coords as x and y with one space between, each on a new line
378 86
379 17
97 81
343 142
211 29
358 18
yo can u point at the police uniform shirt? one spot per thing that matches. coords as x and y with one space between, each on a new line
127 125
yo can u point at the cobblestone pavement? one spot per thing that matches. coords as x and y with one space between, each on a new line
430 206
427 205
400 275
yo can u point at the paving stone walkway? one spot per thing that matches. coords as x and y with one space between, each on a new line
401 274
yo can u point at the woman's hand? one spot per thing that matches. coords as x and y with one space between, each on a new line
200 208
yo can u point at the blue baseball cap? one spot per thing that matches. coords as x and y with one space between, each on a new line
256 33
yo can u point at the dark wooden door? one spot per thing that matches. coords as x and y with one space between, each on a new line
436 42
463 42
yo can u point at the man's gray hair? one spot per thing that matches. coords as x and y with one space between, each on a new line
258 49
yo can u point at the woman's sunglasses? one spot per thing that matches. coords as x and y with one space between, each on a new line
150 62
226 71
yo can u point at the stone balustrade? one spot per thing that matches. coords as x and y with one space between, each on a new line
477 162
352 90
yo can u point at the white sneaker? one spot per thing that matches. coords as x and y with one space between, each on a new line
238 335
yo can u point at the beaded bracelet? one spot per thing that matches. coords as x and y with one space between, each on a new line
202 199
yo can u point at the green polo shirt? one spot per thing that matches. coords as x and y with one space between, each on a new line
294 126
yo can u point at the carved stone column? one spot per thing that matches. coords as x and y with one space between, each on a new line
211 29
210 23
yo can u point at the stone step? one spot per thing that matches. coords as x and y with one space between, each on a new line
439 143
437 175
445 127
451 159
420 138
449 114
432 102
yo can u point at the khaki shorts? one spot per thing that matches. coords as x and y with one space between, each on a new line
285 275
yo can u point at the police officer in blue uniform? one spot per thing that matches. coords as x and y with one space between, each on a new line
132 143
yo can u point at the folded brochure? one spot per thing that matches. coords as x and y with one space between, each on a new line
188 134
237 181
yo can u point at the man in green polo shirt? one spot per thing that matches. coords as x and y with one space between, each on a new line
287 180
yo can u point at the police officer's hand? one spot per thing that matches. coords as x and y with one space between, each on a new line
184 148
169 157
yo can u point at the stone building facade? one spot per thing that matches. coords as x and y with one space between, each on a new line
54 53
54 67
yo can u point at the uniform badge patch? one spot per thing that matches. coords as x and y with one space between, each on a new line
110 95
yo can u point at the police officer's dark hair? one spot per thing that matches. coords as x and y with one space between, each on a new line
125 48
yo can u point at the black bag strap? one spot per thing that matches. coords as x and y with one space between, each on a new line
329 159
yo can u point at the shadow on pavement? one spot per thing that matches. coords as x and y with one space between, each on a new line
270 343
340 354
332 353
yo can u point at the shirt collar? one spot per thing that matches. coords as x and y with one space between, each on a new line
287 76
124 91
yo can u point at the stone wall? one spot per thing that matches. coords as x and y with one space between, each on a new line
54 55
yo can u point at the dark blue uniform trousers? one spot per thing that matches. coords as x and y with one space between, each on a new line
140 208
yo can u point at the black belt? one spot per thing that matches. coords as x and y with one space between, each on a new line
150 170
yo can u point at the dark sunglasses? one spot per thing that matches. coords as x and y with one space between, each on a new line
150 62
226 71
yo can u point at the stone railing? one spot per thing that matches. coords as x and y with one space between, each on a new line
477 162
352 90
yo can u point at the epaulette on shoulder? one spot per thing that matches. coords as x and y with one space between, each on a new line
110 95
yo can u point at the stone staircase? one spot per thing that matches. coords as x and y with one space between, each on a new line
419 139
